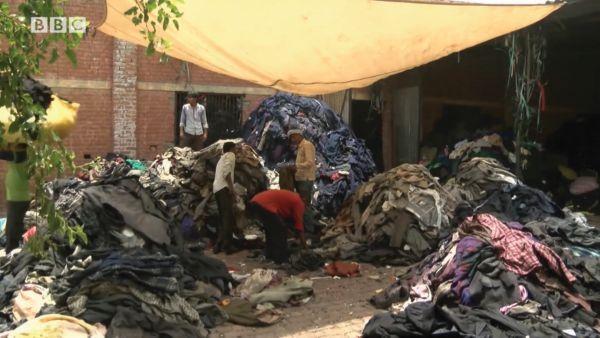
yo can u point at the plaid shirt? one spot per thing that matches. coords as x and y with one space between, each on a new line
518 250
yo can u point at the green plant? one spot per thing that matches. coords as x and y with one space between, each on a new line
143 14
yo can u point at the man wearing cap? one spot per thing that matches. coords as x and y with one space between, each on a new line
305 166
193 127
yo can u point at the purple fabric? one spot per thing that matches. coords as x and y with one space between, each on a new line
466 255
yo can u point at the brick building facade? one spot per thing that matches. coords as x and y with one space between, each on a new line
128 100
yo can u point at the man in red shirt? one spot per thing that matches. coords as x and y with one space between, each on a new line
273 208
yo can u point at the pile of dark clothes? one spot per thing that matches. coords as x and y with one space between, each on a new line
132 275
396 217
343 161
516 265
494 189
488 145
182 180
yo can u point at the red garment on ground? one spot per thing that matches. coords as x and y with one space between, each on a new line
342 269
519 252
288 205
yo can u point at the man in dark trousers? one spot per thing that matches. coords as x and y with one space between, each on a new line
193 126
275 209
225 194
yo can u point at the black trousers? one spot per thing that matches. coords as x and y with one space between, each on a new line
15 226
225 203
276 230
196 142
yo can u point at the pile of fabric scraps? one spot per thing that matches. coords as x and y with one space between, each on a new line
396 217
343 161
259 296
490 146
478 176
182 180
112 166
133 276
498 279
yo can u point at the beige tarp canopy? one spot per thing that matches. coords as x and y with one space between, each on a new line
321 46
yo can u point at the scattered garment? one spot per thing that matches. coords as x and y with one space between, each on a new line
342 269
293 289
29 301
258 281
58 326
305 260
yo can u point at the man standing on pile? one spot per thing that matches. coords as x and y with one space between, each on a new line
305 166
224 191
280 212
193 126
17 194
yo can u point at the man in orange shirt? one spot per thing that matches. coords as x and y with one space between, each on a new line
274 208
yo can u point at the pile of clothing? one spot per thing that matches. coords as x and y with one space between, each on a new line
182 180
499 279
111 166
396 217
491 146
343 161
516 264
494 189
132 276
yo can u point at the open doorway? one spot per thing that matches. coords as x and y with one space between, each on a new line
366 124
223 112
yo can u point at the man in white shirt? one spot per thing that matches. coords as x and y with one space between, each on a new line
193 127
225 196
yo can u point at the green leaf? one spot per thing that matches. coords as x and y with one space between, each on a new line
176 23
150 49
166 23
132 11
54 56
151 5
71 55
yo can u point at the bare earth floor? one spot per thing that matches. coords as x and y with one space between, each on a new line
340 307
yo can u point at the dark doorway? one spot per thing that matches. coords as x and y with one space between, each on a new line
223 112
366 124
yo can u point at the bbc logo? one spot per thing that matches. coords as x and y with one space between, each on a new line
58 24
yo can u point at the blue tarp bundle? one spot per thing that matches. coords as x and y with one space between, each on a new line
343 161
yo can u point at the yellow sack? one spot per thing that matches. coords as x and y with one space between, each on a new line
60 118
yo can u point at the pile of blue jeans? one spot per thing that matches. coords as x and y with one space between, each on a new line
343 161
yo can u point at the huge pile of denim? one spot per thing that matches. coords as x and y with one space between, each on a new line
516 265
398 216
133 274
343 161
182 180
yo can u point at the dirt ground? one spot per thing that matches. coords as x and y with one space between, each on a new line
339 308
